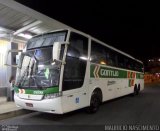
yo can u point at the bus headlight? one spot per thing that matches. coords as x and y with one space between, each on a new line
51 96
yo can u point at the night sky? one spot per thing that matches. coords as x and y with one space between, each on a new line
131 27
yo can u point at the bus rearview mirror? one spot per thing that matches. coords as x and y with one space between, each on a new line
57 50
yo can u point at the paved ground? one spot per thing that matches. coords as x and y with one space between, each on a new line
142 109
7 106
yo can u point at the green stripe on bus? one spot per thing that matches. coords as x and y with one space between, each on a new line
105 72
97 71
37 92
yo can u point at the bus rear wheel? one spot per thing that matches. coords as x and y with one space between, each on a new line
94 103
139 88
136 90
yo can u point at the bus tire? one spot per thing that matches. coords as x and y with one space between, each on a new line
139 88
136 91
94 102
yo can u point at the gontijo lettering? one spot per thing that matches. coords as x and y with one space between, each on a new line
105 72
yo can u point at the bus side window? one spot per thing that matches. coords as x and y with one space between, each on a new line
101 54
111 57
75 67
121 61
98 53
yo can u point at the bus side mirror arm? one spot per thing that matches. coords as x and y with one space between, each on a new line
59 61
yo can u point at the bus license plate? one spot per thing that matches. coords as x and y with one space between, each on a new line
29 104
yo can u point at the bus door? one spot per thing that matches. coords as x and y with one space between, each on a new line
74 91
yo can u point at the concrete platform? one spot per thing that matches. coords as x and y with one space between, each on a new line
7 106
9 109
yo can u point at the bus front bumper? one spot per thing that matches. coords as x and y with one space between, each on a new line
45 105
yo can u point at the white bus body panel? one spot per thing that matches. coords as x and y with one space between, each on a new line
74 100
113 87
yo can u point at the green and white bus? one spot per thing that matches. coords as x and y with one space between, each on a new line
66 70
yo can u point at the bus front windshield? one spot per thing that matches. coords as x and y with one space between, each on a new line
38 70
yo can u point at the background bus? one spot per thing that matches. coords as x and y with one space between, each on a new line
65 70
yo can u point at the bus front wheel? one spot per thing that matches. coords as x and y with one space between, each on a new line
94 103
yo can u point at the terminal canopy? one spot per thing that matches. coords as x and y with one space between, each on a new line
23 22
